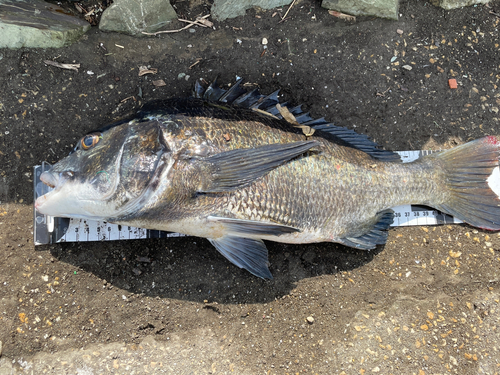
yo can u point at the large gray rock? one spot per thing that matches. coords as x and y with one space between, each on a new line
135 16
453 4
379 8
35 23
223 9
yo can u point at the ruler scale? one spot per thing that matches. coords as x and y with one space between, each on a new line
48 230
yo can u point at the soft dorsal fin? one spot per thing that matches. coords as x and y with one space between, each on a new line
359 141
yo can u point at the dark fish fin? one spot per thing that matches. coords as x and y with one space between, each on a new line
237 96
245 253
359 141
213 92
198 90
472 175
233 169
267 101
235 91
376 235
252 227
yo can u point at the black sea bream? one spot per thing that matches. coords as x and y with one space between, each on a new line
236 168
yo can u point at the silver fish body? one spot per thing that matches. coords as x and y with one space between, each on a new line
237 176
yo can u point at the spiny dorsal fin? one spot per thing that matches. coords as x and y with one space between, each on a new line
237 96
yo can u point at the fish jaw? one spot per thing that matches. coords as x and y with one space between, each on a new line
63 201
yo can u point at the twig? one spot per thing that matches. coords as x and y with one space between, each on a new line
191 23
200 21
130 97
168 31
198 60
62 66
383 93
290 7
283 20
495 14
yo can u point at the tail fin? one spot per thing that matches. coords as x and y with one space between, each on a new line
472 175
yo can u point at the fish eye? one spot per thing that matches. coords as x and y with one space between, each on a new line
89 141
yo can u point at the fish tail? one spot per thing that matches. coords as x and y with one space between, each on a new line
472 178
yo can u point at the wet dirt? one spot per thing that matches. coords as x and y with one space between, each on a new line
425 303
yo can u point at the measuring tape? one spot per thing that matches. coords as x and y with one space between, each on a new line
48 229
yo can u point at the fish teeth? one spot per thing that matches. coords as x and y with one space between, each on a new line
49 179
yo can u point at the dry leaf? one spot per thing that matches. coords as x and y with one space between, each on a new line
342 16
159 83
143 70
289 117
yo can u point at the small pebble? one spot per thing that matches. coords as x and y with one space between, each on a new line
310 320
399 31
407 67
136 271
264 41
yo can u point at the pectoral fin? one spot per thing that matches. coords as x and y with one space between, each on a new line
233 169
251 227
245 253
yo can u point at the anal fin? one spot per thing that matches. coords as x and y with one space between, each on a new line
376 235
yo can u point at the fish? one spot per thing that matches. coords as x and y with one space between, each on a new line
240 168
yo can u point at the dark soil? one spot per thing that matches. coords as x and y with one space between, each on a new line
427 302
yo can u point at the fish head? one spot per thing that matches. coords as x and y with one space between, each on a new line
107 173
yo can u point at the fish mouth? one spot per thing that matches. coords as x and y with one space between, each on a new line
48 179
52 182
